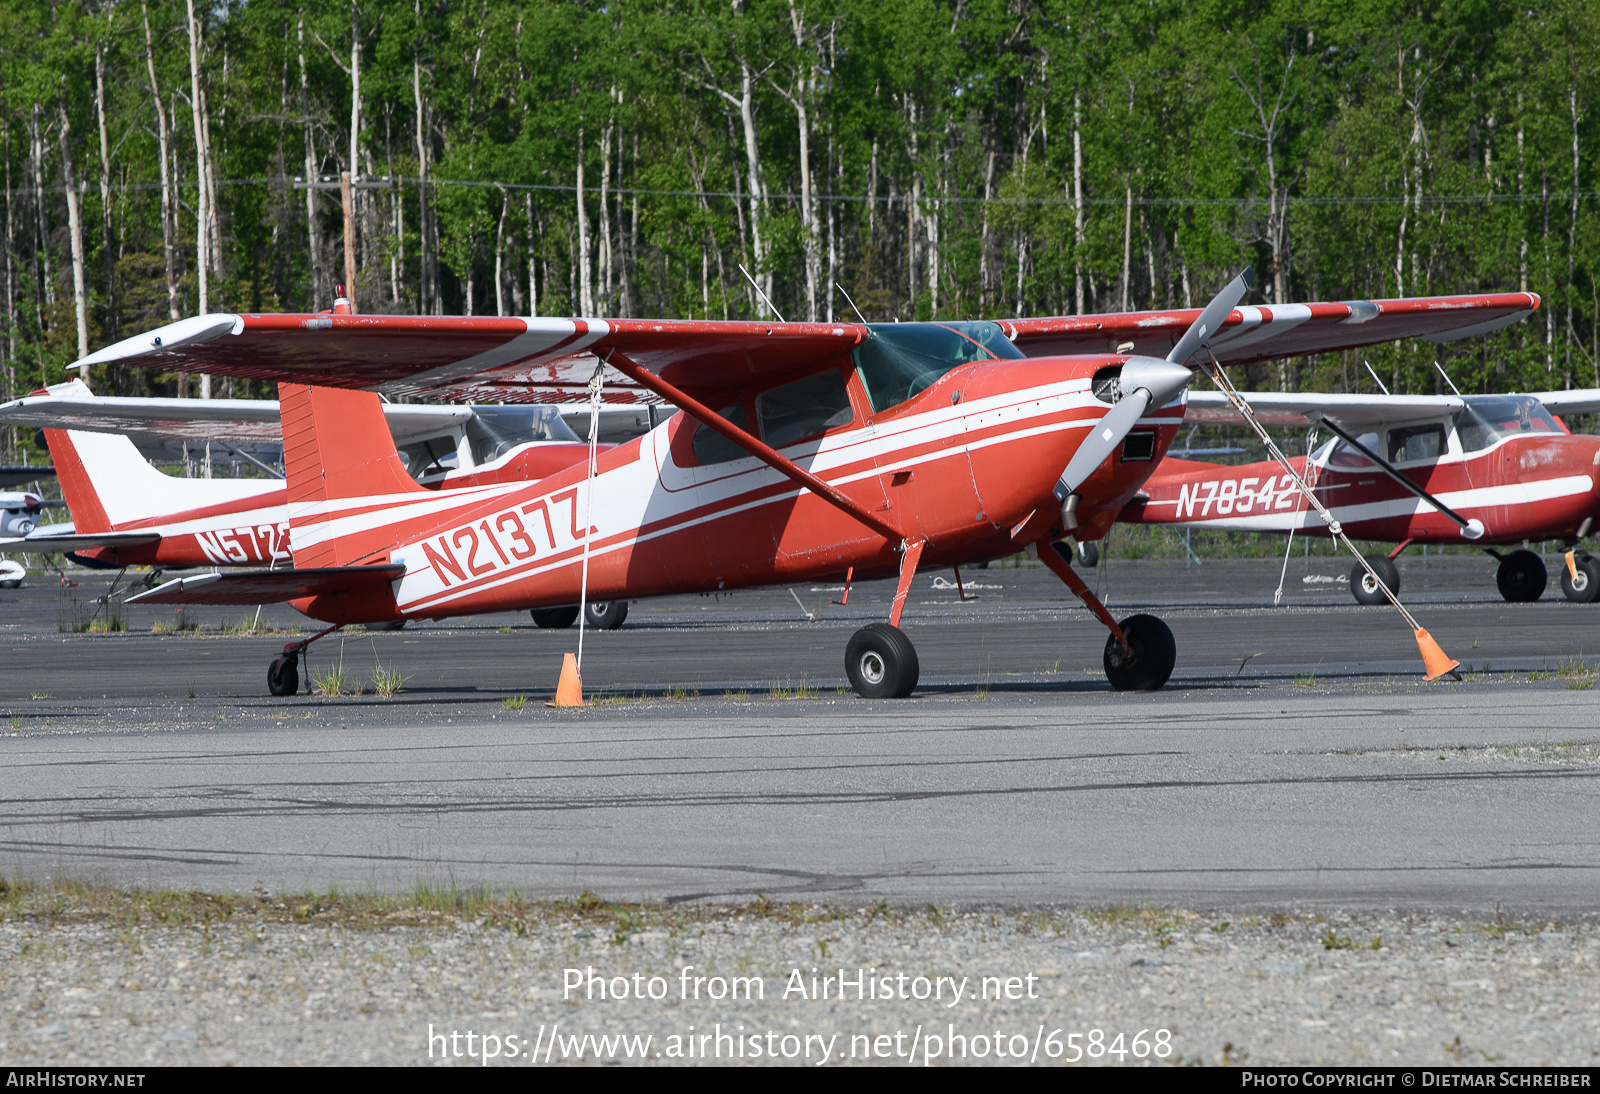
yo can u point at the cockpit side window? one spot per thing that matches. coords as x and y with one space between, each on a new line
805 408
1417 442
899 360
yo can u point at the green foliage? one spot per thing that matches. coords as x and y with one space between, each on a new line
1346 151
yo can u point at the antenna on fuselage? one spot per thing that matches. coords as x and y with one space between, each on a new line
852 303
761 294
1380 383
1447 379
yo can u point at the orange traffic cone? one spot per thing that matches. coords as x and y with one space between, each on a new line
1435 661
569 692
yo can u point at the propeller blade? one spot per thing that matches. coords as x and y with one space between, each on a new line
1100 442
1211 319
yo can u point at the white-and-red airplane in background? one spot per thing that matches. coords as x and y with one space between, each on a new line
803 451
1473 470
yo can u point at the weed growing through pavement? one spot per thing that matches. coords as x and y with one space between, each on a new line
791 690
736 695
251 626
16 721
1331 941
387 682
513 702
1581 685
1306 680
333 682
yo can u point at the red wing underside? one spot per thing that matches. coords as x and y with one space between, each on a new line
508 359
268 586
1279 330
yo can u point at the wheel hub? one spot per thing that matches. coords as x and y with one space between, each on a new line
872 668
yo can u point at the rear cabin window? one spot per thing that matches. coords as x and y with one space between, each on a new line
712 447
1417 442
805 408
1346 456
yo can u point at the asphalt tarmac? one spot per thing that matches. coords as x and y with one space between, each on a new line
1295 757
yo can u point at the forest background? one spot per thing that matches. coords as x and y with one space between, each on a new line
936 158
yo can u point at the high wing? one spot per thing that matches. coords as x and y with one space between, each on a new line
268 586
1291 409
1279 330
483 359
244 420
1579 400
51 544
509 359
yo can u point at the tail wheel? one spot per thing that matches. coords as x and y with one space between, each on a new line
283 676
1522 577
1153 654
1365 590
606 615
1586 588
881 662
555 618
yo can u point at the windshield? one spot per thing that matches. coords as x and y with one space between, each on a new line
898 360
1487 418
496 430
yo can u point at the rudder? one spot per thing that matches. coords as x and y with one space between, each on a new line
337 447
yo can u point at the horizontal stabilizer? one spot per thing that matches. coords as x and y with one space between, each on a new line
269 586
50 545
16 476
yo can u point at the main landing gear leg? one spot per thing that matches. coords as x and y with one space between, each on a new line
1140 652
880 660
283 675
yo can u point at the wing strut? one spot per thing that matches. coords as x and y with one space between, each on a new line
763 452
1472 529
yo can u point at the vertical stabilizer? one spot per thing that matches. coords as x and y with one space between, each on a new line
341 466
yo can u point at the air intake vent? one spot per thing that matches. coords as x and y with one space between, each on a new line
1106 385
1139 447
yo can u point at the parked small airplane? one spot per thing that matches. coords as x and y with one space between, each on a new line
805 451
127 512
1478 470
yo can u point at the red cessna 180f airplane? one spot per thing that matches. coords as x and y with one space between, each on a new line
803 451
1479 470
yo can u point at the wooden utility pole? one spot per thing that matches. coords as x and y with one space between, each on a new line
346 185
349 241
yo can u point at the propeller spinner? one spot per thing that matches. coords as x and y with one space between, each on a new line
1145 382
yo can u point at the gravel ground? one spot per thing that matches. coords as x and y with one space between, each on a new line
251 984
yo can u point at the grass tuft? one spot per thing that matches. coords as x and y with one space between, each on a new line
334 682
387 682
513 702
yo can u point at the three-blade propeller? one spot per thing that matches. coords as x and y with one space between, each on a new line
1145 382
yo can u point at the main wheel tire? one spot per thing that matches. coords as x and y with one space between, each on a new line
283 676
1522 577
555 618
1154 653
1587 588
1365 590
881 662
1089 555
606 615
